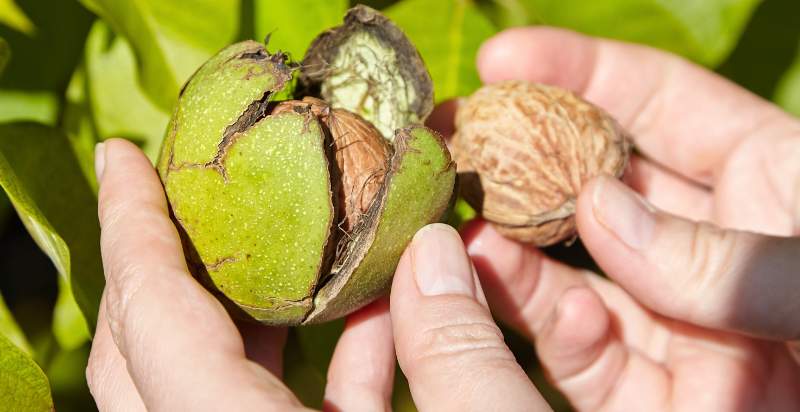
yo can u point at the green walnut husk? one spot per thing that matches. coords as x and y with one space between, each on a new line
253 193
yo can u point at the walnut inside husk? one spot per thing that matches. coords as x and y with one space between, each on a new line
524 150
360 151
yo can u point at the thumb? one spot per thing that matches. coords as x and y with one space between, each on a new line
696 272
447 344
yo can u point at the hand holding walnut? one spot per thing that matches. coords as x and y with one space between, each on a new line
699 311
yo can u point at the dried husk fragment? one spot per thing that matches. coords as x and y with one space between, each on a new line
369 67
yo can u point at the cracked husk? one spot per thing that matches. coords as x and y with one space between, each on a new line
253 189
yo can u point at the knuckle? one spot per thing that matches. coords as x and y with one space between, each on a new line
462 341
109 208
121 291
709 261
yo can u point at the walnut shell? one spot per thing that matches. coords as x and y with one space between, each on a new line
361 153
523 152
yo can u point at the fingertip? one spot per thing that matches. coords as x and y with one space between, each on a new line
576 333
580 321
540 54
442 119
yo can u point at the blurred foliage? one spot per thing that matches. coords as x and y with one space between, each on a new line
278 18
73 73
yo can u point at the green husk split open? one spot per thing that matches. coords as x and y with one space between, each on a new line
253 187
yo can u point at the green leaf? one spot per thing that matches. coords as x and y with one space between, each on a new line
170 39
56 204
69 325
119 106
77 123
12 331
23 385
36 106
12 16
704 31
294 24
787 94
448 39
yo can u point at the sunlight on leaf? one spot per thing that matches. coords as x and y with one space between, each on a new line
77 122
56 204
704 31
23 385
170 39
119 106
35 106
12 16
69 325
293 24
448 39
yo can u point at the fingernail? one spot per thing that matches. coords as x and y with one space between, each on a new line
99 160
440 263
623 212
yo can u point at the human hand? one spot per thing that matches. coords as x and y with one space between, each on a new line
164 343
699 311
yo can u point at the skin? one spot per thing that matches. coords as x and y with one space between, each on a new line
694 316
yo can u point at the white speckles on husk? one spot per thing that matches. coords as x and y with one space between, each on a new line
524 150
361 155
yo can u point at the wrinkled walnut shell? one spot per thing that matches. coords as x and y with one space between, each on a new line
524 150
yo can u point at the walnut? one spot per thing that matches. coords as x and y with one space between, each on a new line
523 152
361 153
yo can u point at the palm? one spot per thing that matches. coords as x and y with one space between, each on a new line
700 369
710 152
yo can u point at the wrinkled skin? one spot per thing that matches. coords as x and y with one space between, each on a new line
660 337
656 336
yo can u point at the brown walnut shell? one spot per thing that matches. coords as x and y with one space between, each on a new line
523 152
361 153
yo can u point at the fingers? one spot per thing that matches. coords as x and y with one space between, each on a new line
667 191
691 271
182 349
107 375
361 373
590 364
264 345
441 119
447 343
523 286
521 283
668 104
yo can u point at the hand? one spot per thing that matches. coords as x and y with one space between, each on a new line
698 311
164 343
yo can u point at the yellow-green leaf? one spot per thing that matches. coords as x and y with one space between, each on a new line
293 24
118 104
704 31
12 331
12 16
448 38
170 39
23 385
